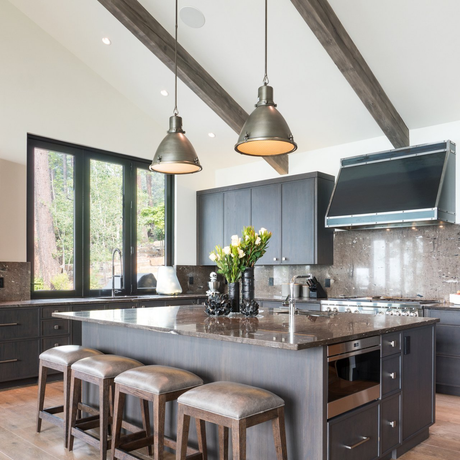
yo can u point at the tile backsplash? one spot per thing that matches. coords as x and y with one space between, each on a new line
16 281
421 262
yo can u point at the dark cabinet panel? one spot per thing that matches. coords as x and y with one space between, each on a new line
391 374
16 323
19 359
448 373
298 222
210 225
417 383
237 213
391 344
55 326
390 426
448 340
47 312
266 212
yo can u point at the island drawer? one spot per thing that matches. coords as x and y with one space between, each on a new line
391 343
51 342
55 326
446 317
16 323
18 360
47 312
355 435
391 374
390 423
447 339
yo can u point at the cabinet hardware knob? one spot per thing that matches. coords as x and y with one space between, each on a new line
9 361
392 343
363 440
142 306
284 258
393 375
393 424
56 344
56 326
275 258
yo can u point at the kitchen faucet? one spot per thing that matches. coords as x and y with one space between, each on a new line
292 307
113 270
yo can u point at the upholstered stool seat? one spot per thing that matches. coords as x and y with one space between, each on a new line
99 370
59 359
158 384
231 405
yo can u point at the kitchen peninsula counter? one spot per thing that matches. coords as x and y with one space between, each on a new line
269 329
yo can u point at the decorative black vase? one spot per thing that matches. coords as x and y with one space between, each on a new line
248 283
234 296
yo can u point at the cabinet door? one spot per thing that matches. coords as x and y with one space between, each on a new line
417 378
390 423
210 225
266 212
237 213
298 222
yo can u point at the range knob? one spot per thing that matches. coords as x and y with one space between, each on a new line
335 309
348 310
328 309
356 311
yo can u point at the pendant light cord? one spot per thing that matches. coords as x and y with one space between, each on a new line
176 111
266 81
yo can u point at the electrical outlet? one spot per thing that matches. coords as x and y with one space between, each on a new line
2 283
190 280
327 282
271 281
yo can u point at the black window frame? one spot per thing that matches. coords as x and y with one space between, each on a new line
83 155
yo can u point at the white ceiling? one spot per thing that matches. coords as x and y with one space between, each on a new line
412 46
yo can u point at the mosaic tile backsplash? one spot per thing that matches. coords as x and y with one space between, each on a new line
422 262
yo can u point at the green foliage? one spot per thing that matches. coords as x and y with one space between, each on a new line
254 244
62 282
39 285
229 260
154 220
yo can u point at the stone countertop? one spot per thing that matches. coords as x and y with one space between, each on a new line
268 329
95 300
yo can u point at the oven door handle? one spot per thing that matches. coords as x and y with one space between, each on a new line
364 439
353 353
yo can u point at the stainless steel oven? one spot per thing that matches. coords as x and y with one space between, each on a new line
353 374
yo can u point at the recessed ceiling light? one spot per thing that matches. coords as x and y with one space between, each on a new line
106 41
163 92
211 135
192 17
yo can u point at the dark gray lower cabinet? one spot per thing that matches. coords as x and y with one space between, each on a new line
390 423
355 435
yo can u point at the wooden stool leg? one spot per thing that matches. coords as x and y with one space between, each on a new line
146 421
104 408
67 375
183 426
223 442
279 434
159 408
42 374
201 435
239 439
117 419
75 395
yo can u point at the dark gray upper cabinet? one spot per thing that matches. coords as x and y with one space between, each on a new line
210 224
293 208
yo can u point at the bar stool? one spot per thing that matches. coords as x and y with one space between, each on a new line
99 370
59 359
231 405
158 384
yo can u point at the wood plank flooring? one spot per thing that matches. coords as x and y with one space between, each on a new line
19 441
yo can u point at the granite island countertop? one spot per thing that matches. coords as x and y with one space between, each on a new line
269 329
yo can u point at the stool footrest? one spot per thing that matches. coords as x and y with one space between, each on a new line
88 409
93 441
45 415
88 423
54 410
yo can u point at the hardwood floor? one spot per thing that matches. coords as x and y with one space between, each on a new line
19 441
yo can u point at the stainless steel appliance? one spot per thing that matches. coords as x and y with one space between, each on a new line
393 307
353 374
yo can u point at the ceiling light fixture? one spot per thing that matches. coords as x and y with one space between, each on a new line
175 154
211 135
106 41
265 132
163 92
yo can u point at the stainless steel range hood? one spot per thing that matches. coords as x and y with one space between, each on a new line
398 188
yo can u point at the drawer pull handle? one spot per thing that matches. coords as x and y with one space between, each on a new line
284 258
9 361
56 326
392 344
275 258
9 324
393 375
392 424
364 439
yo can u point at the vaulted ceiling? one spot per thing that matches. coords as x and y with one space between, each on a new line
410 47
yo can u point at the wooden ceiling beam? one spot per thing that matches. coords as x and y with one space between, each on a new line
153 35
327 27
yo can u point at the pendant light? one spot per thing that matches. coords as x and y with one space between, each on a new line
175 154
265 132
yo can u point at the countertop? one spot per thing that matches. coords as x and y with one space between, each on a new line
268 329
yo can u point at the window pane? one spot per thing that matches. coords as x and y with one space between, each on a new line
150 227
106 223
54 199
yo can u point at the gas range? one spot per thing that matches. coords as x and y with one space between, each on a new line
376 306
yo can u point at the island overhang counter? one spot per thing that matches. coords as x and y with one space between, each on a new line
289 359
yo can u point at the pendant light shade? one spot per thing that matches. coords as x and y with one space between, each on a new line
175 154
265 132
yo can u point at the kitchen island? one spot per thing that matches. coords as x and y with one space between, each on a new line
290 360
